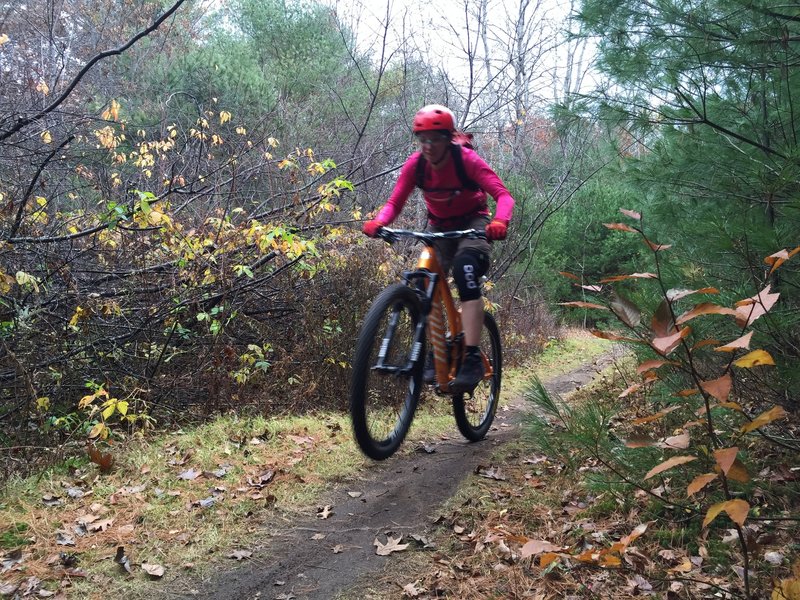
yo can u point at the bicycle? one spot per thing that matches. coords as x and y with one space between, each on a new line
391 351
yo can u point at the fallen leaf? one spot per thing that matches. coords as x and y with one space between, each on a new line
534 547
490 473
324 512
190 474
391 545
153 570
240 554
676 442
411 590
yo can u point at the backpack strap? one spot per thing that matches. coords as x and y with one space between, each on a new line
467 182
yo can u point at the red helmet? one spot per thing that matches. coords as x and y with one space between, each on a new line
434 117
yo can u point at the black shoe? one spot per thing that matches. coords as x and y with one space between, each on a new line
469 375
428 371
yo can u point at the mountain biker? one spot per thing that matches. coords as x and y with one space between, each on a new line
455 196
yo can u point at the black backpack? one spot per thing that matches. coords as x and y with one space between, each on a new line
467 182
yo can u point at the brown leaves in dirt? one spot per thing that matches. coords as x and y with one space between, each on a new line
392 545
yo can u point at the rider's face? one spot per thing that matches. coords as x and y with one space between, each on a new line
433 145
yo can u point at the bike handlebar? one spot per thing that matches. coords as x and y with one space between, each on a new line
392 235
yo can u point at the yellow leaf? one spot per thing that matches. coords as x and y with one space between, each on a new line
224 117
668 464
86 401
773 414
699 482
754 359
46 137
788 589
43 88
737 510
109 409
43 403
98 430
122 407
3 38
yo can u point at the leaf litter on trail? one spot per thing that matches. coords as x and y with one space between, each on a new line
392 545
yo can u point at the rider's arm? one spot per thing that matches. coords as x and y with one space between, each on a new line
490 182
402 190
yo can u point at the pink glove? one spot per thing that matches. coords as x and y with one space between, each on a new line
497 230
370 228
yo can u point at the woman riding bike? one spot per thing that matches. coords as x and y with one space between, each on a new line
455 182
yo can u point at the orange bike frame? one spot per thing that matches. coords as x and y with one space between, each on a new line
442 305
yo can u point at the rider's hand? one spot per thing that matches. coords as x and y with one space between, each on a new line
497 230
371 228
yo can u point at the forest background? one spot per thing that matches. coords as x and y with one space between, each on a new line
182 186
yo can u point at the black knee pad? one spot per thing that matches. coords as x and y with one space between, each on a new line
468 268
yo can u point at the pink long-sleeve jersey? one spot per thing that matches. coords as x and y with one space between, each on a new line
446 199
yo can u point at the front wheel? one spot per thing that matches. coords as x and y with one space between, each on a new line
387 372
474 415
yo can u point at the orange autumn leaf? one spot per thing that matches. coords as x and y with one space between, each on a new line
780 257
704 308
620 227
584 305
570 275
614 278
654 417
742 343
752 308
755 358
630 390
703 343
773 414
630 213
657 247
668 464
665 345
547 558
653 364
719 388
699 482
685 393
737 510
725 458
738 472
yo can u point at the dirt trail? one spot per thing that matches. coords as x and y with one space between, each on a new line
398 496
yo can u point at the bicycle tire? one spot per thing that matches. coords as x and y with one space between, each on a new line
383 399
474 416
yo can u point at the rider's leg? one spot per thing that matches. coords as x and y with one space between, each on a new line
469 266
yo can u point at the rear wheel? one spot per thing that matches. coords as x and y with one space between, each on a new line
474 415
387 372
